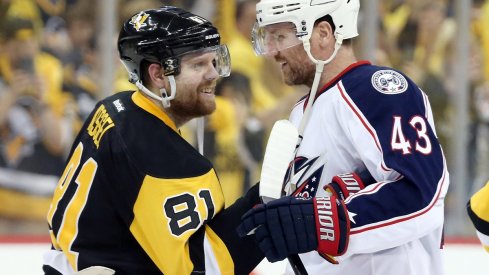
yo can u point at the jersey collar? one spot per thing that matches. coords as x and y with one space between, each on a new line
150 107
336 78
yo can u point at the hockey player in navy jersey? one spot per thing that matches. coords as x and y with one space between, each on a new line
357 117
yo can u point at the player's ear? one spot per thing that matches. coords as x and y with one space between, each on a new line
155 73
324 32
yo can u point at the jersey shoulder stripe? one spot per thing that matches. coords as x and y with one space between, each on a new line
150 139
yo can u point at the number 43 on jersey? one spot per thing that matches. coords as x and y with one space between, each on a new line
399 142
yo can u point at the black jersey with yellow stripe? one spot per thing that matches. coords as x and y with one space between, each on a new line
137 198
478 211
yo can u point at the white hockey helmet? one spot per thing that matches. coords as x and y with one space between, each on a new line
303 14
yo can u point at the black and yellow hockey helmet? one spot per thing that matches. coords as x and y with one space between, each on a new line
161 36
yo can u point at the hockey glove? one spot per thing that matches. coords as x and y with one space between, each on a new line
344 185
292 225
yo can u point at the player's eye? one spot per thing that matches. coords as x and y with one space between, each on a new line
280 37
198 65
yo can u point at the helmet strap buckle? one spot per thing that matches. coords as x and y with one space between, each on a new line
165 98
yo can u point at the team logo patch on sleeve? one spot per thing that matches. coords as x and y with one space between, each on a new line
389 82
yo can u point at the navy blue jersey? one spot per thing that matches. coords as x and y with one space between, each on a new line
376 119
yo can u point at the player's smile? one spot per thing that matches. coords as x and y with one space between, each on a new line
208 92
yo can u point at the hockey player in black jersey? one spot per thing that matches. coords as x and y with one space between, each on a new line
135 197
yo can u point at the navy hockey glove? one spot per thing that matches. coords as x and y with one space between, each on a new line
293 225
344 185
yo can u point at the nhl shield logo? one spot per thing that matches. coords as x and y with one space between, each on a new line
389 82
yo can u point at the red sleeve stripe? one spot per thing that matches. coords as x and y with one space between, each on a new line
363 120
407 217
372 189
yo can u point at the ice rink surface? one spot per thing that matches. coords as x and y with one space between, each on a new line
26 259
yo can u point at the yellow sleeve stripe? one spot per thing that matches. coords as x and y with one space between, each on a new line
224 259
480 203
54 242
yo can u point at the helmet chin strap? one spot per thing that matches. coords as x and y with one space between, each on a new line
164 98
200 134
319 71
291 186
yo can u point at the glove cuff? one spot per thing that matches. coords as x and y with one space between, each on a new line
344 185
332 225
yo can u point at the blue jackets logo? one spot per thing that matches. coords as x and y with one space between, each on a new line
389 82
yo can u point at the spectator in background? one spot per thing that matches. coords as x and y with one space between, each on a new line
126 10
81 66
480 87
73 42
478 147
31 127
38 11
25 9
55 8
395 14
232 136
480 19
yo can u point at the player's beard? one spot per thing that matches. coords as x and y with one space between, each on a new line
297 69
190 102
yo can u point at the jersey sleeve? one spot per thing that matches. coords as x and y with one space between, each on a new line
393 133
478 211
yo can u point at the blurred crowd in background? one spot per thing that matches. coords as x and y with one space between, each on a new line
50 81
